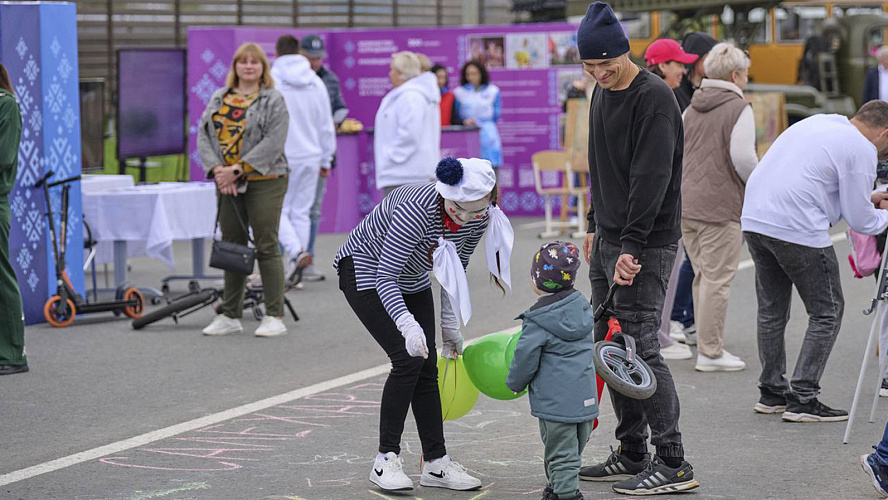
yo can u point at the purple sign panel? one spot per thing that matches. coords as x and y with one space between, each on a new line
532 66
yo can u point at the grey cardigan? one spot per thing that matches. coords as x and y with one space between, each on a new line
264 137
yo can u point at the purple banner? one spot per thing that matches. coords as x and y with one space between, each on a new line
531 64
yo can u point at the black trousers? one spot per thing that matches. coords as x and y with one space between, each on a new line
413 382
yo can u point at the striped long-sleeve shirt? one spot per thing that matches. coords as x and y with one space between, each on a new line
390 247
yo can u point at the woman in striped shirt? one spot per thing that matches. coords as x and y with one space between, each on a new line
384 273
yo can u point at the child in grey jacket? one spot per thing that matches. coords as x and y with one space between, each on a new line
554 357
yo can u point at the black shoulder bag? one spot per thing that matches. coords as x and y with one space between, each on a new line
232 257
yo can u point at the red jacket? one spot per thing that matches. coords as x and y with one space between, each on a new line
446 108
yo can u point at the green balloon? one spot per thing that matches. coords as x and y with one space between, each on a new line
510 348
485 360
458 395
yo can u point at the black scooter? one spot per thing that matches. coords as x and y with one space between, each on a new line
61 308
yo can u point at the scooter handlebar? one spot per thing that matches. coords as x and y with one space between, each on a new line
43 179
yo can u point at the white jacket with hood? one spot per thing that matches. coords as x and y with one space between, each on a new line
407 133
311 139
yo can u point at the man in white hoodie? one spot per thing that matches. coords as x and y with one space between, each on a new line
311 144
407 129
818 172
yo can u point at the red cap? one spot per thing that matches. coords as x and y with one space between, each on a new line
665 50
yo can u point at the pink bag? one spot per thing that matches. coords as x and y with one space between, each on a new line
864 256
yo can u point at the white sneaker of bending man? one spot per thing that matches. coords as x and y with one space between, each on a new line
445 473
223 325
271 327
388 473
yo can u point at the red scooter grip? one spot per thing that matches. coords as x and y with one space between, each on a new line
613 326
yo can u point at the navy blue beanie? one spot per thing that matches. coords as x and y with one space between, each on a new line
600 35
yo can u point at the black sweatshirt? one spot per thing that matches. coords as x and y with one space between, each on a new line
636 141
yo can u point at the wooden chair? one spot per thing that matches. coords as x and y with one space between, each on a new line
559 161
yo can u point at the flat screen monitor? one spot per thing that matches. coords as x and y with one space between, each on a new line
92 123
150 102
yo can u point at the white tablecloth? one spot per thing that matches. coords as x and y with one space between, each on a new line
150 217
94 183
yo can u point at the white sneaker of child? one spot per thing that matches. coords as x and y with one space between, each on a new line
445 473
388 473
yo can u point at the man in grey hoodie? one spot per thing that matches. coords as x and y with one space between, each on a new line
311 144
554 357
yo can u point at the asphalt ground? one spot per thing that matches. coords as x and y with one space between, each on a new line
165 413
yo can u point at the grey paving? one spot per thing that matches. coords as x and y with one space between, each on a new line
99 382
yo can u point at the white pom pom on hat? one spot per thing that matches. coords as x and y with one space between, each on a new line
477 181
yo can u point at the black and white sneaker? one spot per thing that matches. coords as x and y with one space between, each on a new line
812 411
883 391
659 479
615 468
388 473
445 473
770 404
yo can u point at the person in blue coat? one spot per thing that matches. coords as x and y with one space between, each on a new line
554 357
478 103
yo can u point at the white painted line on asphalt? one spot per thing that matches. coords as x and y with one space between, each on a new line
746 264
150 437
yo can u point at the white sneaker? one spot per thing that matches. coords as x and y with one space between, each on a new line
223 325
445 473
311 273
676 331
676 351
690 334
271 327
727 362
388 473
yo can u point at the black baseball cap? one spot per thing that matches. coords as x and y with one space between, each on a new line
313 46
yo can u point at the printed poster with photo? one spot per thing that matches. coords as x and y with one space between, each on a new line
489 50
527 51
563 48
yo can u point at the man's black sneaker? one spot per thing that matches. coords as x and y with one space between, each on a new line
812 411
770 403
615 468
659 479
883 391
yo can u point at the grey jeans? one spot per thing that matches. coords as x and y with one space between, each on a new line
639 309
815 273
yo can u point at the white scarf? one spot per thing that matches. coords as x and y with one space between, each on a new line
500 238
450 274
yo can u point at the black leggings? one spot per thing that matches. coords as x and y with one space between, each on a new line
412 381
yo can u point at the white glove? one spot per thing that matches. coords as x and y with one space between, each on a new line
414 336
452 343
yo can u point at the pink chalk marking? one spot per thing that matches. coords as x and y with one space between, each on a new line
247 432
227 441
309 482
212 452
339 398
291 420
116 461
375 386
344 410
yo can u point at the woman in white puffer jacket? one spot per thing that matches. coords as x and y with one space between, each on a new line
407 129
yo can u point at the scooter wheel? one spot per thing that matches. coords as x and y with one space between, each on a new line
55 316
633 379
134 311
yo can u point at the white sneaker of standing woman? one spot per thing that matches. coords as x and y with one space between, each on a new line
445 473
223 325
271 327
388 473
676 351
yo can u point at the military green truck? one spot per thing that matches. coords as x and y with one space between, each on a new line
839 54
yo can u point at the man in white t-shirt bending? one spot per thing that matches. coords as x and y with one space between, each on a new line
818 172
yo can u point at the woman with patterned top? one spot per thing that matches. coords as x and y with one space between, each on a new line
384 273
241 141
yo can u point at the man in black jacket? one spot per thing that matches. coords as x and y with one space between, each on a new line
635 153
